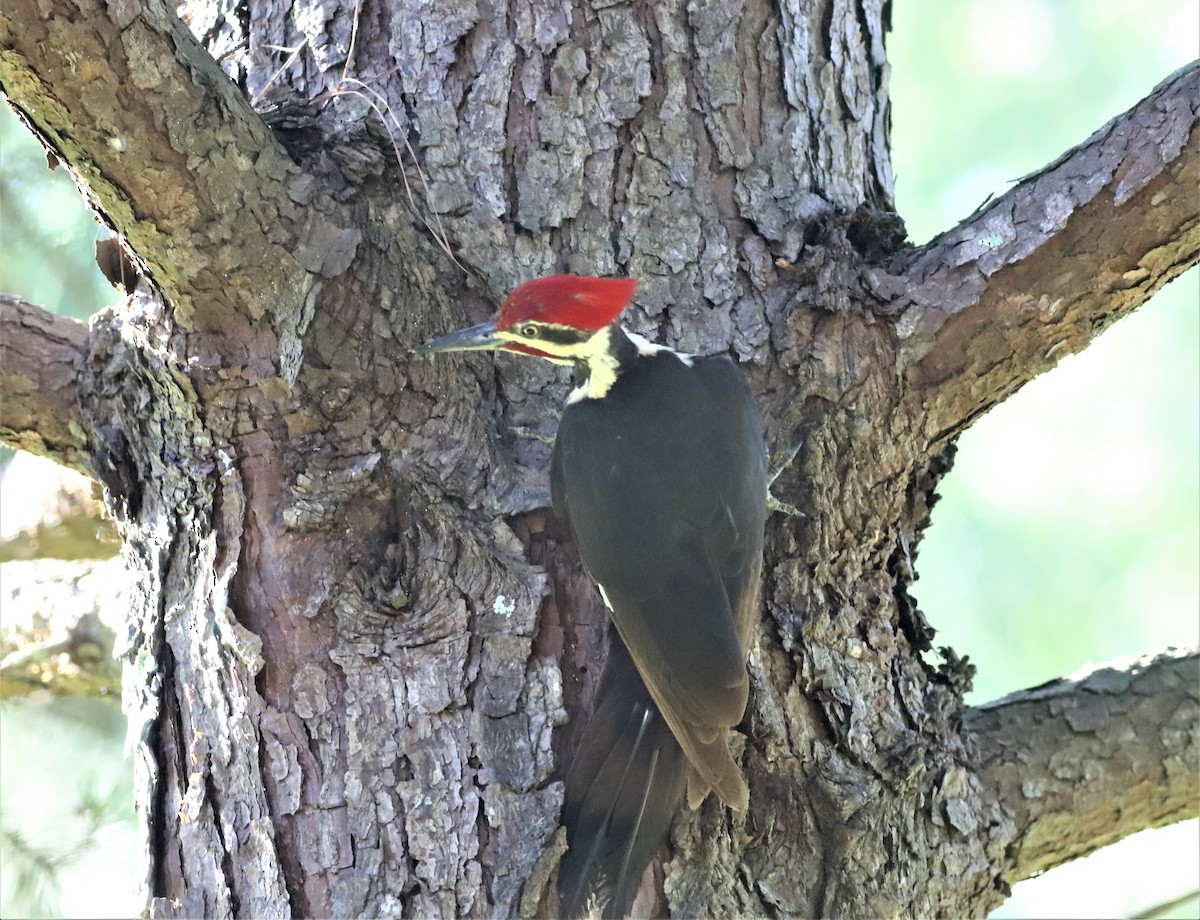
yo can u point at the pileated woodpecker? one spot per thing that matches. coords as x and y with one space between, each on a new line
659 467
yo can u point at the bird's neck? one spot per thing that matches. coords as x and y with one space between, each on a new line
612 352
615 350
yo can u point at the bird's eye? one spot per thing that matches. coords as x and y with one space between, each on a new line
529 330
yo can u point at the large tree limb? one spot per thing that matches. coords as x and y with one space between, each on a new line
1043 269
1081 762
41 359
171 153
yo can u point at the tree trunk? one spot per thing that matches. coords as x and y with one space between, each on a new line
360 648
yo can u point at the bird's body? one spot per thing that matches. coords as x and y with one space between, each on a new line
671 531
660 470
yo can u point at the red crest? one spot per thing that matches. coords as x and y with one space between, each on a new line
578 301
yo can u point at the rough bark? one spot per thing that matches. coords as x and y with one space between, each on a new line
1035 275
357 636
40 360
1131 728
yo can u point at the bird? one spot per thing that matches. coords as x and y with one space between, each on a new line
659 469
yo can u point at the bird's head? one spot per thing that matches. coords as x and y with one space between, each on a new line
558 318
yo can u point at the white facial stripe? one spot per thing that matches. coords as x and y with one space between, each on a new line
572 351
646 347
602 363
602 367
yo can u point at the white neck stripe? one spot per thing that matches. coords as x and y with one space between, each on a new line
603 366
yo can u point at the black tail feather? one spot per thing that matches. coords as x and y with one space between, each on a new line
624 788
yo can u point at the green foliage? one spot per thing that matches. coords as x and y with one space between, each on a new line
38 870
67 827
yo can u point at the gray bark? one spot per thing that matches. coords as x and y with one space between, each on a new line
1130 727
360 647
41 356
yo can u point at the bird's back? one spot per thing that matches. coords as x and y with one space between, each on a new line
663 482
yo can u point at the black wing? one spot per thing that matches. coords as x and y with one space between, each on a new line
664 486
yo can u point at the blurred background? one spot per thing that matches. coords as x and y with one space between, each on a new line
1069 530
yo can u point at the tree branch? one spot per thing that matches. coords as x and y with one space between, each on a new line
1043 269
41 360
170 151
1081 762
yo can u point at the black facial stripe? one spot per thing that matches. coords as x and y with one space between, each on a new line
558 335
